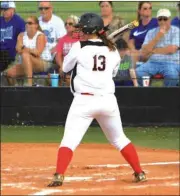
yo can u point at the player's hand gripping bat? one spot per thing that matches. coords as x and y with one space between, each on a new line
123 29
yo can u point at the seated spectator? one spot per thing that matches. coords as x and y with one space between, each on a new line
123 77
33 51
52 25
65 43
137 35
111 21
11 26
176 21
146 23
161 48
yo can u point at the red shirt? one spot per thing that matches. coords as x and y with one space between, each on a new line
65 43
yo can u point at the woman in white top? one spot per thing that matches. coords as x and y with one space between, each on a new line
32 48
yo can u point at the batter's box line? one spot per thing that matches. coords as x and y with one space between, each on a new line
10 169
52 191
127 165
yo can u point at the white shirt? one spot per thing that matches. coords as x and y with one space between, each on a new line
53 29
88 77
31 43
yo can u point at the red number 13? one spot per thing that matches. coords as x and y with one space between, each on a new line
102 60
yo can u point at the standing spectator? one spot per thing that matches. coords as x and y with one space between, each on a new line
146 22
161 46
111 21
176 21
32 48
65 43
52 25
123 76
11 26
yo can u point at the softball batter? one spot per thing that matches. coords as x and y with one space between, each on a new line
94 63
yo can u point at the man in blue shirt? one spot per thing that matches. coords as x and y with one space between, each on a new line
176 21
11 26
161 48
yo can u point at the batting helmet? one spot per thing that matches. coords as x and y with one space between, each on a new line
90 23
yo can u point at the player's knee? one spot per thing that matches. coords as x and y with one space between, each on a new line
69 144
121 142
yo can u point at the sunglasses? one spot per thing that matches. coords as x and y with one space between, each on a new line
4 9
43 8
69 23
147 8
30 23
162 18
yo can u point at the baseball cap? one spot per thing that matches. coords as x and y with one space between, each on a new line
8 4
163 12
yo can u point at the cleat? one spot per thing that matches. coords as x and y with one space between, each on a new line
140 177
57 180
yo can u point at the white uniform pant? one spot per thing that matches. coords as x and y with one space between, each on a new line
83 110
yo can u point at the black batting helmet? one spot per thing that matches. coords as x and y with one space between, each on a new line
90 23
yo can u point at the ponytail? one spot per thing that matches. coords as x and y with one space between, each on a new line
107 42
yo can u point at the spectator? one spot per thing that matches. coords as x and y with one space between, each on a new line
52 25
161 46
65 43
176 20
111 21
146 22
33 50
123 77
11 26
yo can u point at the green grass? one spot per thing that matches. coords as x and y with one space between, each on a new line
166 138
126 10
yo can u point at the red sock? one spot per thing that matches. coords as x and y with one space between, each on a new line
130 154
64 157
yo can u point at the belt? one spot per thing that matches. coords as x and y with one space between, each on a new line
87 94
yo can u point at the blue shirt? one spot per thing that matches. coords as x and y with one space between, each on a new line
139 33
176 22
170 38
9 32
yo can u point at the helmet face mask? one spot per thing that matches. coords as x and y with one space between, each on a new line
90 23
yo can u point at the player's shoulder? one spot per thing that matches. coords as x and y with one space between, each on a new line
77 44
115 53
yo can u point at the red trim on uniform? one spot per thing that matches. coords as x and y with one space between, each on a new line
64 158
87 94
130 154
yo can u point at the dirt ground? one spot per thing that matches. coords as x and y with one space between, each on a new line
96 169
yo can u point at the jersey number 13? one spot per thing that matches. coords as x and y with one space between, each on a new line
101 61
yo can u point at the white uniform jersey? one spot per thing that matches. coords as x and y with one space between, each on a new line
31 43
53 29
94 67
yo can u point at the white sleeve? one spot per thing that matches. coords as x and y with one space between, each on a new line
60 28
70 59
116 68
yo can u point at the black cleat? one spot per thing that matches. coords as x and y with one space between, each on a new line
57 180
140 177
